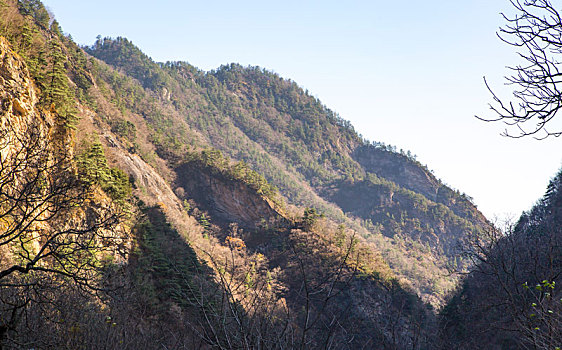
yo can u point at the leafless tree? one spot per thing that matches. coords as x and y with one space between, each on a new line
248 308
511 296
51 228
536 31
39 201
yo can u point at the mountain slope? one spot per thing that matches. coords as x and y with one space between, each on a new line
312 155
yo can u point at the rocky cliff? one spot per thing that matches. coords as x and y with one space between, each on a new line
227 200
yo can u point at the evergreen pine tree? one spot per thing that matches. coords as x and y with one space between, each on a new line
57 93
92 165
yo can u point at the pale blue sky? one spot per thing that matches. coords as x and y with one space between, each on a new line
407 73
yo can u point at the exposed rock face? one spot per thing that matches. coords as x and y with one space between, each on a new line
409 175
149 185
15 81
21 116
144 176
39 188
226 200
18 96
402 171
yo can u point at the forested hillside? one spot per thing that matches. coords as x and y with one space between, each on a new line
313 156
512 298
151 205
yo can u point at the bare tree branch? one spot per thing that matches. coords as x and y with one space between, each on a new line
536 32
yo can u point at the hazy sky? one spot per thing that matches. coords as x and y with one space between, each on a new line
407 73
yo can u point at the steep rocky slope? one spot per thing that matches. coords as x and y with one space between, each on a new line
53 225
226 199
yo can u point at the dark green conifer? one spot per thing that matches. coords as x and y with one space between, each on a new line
56 90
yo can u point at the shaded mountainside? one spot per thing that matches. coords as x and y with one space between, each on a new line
512 299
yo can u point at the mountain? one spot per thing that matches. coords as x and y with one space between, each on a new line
221 209
314 157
